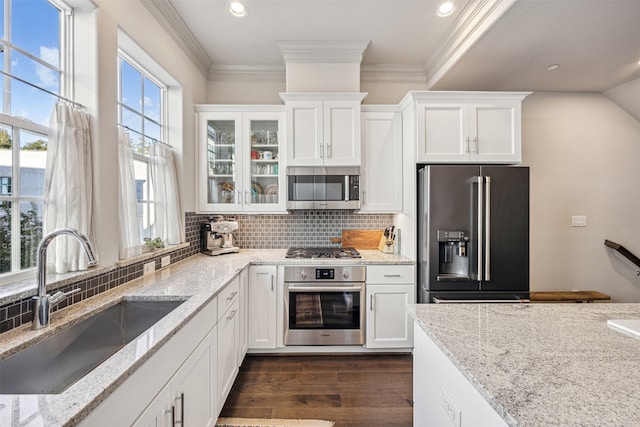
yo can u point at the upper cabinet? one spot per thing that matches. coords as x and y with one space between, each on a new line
381 181
240 159
468 127
323 129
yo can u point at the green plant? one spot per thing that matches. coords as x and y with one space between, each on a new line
154 244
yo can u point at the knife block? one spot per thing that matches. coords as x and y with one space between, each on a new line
387 247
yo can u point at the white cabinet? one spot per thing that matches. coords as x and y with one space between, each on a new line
323 129
442 395
468 127
389 289
228 338
381 180
179 378
243 322
262 306
189 394
240 159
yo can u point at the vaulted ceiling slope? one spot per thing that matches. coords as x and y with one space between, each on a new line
484 45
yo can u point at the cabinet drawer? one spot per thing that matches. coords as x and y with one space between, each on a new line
391 273
228 296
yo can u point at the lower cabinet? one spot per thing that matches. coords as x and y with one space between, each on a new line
389 290
442 395
188 398
262 306
243 318
228 339
187 381
179 379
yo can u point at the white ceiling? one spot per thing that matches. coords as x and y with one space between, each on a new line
485 45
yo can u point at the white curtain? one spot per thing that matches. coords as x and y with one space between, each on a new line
130 244
168 216
68 186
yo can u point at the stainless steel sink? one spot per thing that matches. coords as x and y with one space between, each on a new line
53 364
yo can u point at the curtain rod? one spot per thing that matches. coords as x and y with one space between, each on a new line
155 141
60 97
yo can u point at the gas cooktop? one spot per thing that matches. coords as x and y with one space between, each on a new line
322 253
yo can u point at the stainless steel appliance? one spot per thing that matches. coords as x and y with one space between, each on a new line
323 188
322 253
324 305
473 233
216 236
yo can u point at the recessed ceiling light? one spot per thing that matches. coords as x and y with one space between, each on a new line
553 67
446 8
237 9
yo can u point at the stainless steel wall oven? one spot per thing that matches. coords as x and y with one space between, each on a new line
324 305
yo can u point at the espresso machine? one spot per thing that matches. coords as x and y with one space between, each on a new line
216 236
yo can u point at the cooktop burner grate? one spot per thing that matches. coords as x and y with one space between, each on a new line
322 253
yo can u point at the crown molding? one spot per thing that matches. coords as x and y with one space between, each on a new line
392 74
470 25
247 73
277 73
323 51
167 16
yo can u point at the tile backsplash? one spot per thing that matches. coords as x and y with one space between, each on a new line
299 228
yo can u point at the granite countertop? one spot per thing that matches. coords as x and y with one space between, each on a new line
543 364
197 279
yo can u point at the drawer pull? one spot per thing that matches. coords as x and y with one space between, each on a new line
233 313
233 294
393 275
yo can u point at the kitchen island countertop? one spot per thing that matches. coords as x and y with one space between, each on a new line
197 280
543 364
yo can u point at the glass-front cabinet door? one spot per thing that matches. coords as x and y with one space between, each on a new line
264 173
240 167
222 170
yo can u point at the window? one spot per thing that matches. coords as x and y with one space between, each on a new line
141 101
31 48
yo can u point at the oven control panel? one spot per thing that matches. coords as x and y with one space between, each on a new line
325 273
346 273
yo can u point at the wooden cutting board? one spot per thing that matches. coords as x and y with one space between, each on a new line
361 239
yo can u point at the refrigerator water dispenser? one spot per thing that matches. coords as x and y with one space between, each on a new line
454 262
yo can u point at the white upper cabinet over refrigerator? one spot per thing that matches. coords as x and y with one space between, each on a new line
468 127
323 129
240 159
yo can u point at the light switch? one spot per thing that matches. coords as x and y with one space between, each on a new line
579 221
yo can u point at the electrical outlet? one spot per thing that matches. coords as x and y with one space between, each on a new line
578 221
451 409
165 260
149 267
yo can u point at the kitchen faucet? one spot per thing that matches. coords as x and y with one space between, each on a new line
43 302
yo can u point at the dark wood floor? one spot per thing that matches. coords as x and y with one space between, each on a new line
351 390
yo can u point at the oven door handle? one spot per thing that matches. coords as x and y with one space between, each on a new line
331 288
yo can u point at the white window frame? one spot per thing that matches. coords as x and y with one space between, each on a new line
148 206
18 124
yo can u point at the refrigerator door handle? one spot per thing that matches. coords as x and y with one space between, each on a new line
487 228
480 224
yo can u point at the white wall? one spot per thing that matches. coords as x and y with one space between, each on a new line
253 93
584 154
96 33
627 95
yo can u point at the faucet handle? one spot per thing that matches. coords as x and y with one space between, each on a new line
59 296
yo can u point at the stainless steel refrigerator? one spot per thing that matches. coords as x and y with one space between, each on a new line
473 233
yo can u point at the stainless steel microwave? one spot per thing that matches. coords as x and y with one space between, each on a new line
323 188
